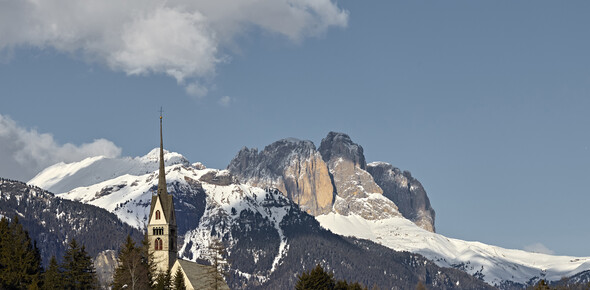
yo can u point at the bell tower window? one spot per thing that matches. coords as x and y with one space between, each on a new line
158 231
157 214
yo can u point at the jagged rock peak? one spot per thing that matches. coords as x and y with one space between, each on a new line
340 145
406 192
305 147
291 165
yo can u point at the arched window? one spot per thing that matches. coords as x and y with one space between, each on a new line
157 214
158 244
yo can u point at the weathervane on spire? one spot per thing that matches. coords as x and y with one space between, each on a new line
161 111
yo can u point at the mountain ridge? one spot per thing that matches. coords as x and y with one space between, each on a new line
127 194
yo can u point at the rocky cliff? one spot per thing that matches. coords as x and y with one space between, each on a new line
292 166
356 190
406 192
105 264
334 178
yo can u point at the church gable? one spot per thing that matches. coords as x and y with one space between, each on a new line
157 216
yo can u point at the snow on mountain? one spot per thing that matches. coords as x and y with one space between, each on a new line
493 264
64 177
212 202
204 198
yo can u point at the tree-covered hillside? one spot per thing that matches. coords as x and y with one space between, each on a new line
53 222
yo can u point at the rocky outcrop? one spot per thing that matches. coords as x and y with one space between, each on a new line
292 166
222 178
406 192
355 187
335 177
104 265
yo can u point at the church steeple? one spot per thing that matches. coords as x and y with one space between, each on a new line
162 190
161 230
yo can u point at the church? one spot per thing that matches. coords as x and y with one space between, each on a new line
162 237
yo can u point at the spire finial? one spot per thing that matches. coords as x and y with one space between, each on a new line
162 176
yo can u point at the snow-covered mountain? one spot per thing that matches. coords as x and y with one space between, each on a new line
334 178
64 177
494 265
267 233
269 239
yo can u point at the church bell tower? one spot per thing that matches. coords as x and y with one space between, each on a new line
161 228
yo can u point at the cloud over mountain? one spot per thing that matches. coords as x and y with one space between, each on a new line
25 151
182 39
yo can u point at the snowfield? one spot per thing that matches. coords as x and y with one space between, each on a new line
494 264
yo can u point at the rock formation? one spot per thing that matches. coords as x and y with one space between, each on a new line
335 177
353 184
292 166
406 192
105 264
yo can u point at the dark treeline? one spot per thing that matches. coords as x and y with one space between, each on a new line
20 263
52 221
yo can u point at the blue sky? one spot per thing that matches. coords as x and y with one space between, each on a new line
486 103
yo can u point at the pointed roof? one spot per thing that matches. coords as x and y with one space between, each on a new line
200 275
165 198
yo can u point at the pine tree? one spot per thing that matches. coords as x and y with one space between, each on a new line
20 260
343 285
163 281
52 278
148 260
132 271
317 278
179 280
78 269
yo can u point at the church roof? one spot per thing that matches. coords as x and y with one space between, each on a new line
200 276
165 198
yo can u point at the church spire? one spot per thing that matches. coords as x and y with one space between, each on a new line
162 190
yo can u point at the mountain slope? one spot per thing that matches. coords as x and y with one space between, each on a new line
255 224
54 222
64 177
267 236
493 264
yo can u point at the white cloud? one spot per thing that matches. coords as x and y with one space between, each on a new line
196 90
225 101
179 38
538 248
25 152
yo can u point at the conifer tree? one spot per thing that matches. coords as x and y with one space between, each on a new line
52 278
20 260
163 281
78 269
132 271
317 278
179 280
149 260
